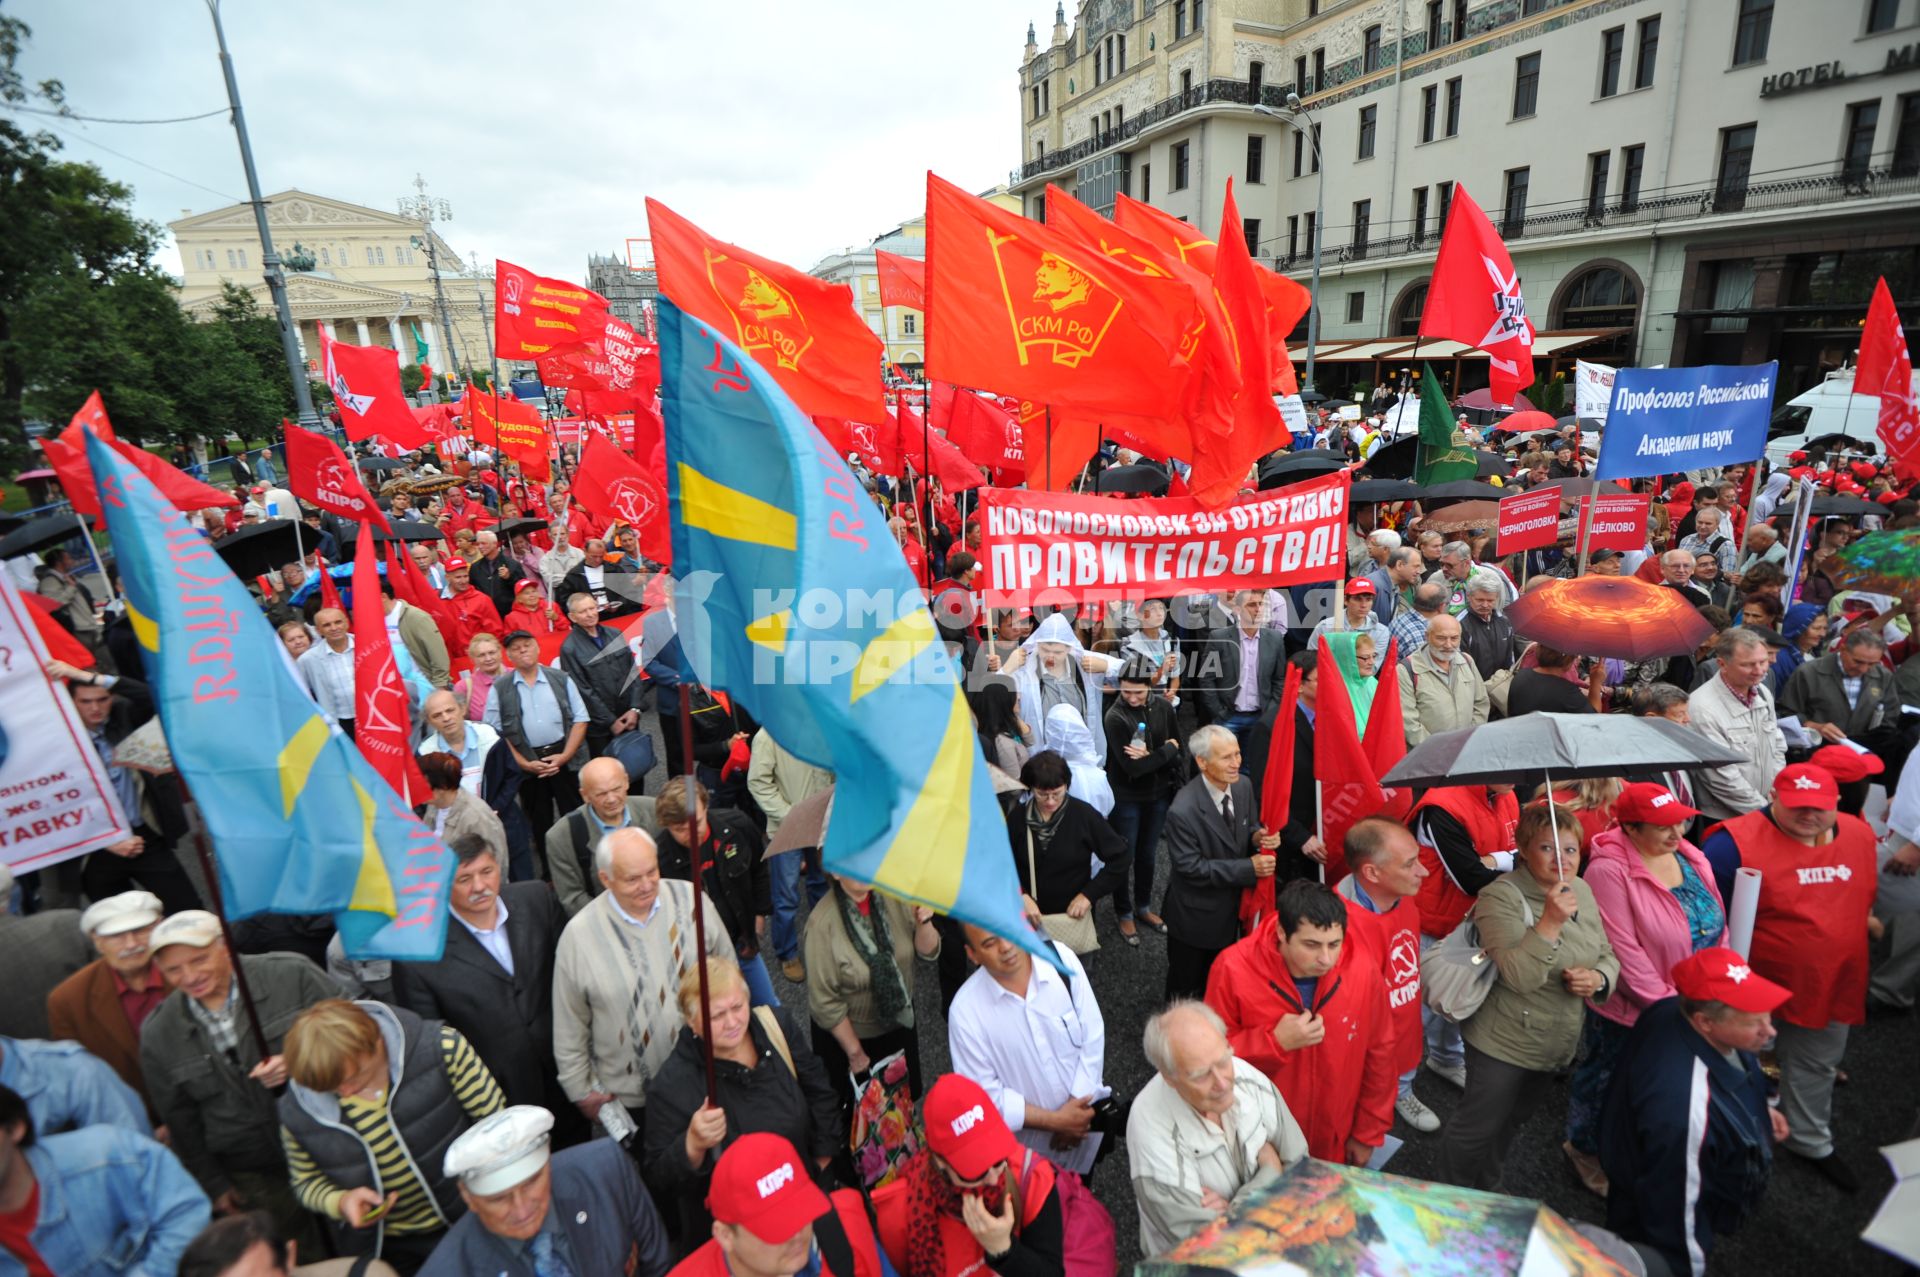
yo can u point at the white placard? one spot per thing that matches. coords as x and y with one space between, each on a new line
1592 390
1746 903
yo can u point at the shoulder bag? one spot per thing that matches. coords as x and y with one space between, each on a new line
1077 934
1457 974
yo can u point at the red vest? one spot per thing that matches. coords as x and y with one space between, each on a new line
1810 932
1443 905
1392 941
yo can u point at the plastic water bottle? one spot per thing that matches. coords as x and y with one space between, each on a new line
1140 735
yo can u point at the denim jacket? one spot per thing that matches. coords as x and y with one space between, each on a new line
111 1202
66 1088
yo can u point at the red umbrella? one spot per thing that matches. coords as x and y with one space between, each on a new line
1483 400
1615 616
1526 419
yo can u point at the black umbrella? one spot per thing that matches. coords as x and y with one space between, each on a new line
1371 490
382 463
1142 478
38 534
1833 504
1298 467
514 527
1563 746
1312 396
264 547
1461 490
1570 489
1396 460
1492 465
409 530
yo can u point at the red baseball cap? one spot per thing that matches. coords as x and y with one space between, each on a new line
1360 585
455 564
1806 785
761 1184
1847 765
526 584
965 1127
1645 803
1721 975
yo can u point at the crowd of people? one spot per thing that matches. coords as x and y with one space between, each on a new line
576 1087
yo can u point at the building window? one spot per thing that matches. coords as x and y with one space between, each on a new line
1514 207
1459 19
909 323
1293 237
1435 11
1599 165
1250 227
1299 152
1429 111
1319 69
1882 15
1407 312
1648 51
1256 158
1197 21
1046 96
1369 119
1613 51
243 259
1906 137
1146 183
1313 8
1179 18
369 255
1445 190
1356 307
1526 86
326 258
1750 35
233 263
1362 226
1419 213
1256 77
1530 7
1599 298
1036 101
1313 220
1633 161
1453 107
1300 76
1179 155
1370 57
1736 166
1186 84
1863 118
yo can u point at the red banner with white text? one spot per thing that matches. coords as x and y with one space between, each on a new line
1618 522
1529 520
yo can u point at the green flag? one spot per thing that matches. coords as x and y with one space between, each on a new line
419 346
1442 455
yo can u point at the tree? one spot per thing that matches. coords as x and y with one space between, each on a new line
257 336
411 378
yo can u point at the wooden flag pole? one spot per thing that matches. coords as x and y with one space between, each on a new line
226 934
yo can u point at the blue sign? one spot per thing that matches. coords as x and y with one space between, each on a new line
1663 420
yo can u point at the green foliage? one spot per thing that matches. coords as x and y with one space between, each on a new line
411 378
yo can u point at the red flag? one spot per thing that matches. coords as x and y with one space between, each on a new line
1276 796
365 381
380 716
614 486
1349 793
61 644
412 585
981 430
878 446
1385 740
1886 369
903 280
1220 471
535 316
613 360
329 591
515 428
1474 298
1057 450
318 471
922 449
68 457
804 331
1021 308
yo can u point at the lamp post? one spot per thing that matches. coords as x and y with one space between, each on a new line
1292 116
269 260
424 208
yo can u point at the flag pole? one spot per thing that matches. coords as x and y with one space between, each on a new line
699 885
226 934
1047 482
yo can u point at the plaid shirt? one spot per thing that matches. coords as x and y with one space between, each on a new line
221 1025
1409 629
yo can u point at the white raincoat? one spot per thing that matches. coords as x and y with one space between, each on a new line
1026 680
1067 735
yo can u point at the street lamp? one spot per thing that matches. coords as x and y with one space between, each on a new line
426 209
1291 115
269 260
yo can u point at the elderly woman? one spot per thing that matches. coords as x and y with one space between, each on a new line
1541 926
859 950
1055 838
296 636
375 1096
765 1077
1052 668
1659 904
477 683
452 809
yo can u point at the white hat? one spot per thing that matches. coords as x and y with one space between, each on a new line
128 911
195 927
505 1149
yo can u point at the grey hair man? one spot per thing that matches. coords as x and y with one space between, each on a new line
1735 709
1217 848
1440 689
1205 1132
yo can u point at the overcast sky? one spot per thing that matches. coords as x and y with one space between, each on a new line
793 127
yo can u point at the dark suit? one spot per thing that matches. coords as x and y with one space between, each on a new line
1216 678
1815 692
1212 863
85 1008
618 602
606 677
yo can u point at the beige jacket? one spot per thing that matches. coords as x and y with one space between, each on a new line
779 782
1434 699
1750 731
839 986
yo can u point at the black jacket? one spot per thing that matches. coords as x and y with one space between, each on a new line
736 877
1491 643
1212 862
1158 775
617 604
495 577
608 681
507 1018
1066 866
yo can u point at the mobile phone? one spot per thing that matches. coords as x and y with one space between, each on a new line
367 1217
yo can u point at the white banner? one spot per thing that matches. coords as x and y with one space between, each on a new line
56 801
1592 390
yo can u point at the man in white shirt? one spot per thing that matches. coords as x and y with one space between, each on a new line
1035 1040
327 667
452 734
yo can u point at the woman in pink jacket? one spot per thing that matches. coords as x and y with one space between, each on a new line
1659 904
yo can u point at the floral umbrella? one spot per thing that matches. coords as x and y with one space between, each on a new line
1881 562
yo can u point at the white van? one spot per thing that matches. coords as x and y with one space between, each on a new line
1831 408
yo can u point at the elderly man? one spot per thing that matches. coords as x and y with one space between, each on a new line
595 575
409 627
1206 1131
1034 1038
1217 849
1676 573
1239 677
470 742
327 667
1707 538
1848 695
560 560
204 1071
1763 545
538 711
426 557
1735 708
1396 586
530 1214
1457 568
495 571
494 983
37 951
104 1005
1818 876
605 805
597 659
616 1011
779 782
279 605
1440 689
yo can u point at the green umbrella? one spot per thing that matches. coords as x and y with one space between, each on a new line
1881 562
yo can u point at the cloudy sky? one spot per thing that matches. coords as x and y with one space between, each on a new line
794 127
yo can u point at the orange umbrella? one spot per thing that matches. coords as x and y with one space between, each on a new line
1615 616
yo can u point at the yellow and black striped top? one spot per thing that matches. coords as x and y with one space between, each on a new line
414 1210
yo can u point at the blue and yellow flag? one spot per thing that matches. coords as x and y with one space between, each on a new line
794 599
300 822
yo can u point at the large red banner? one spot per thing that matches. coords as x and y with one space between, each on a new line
1044 547
1617 522
1529 520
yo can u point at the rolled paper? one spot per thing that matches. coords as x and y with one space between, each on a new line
1746 901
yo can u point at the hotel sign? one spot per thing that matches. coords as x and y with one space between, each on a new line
1827 74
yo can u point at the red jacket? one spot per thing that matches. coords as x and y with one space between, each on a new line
1810 933
1491 826
1344 1087
709 1262
472 613
958 1249
1392 941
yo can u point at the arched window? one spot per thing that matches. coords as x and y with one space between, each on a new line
1602 297
1407 308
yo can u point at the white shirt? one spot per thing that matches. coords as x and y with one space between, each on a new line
493 939
473 760
329 676
1043 1049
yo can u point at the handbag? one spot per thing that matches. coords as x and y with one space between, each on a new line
1077 934
634 749
886 1124
1087 1236
1457 974
1497 688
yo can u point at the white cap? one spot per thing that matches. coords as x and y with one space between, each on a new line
505 1149
195 927
128 911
